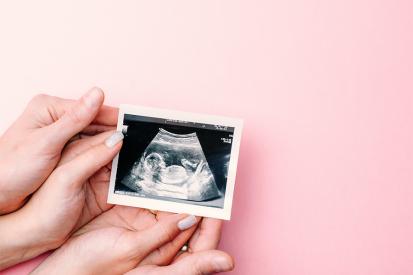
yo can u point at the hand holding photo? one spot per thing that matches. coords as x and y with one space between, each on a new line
176 161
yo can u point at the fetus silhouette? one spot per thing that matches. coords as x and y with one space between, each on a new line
173 166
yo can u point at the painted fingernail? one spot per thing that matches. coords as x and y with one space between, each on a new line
93 97
114 139
187 222
222 264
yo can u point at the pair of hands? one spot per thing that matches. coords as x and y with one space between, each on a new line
53 190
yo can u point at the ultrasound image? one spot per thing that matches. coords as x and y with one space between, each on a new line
174 160
174 166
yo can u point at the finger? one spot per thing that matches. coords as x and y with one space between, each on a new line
99 184
97 189
159 215
107 116
76 118
205 262
94 129
134 218
81 145
44 110
207 236
76 171
165 254
157 235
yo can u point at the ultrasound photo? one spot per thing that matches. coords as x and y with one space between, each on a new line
173 160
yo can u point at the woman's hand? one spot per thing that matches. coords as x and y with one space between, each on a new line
74 193
32 146
201 256
123 237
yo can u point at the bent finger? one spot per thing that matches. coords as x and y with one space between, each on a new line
207 236
94 129
167 252
83 166
81 145
159 234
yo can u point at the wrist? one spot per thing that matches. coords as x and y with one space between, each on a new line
11 197
62 262
19 242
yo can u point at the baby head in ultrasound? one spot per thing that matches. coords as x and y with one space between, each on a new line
174 166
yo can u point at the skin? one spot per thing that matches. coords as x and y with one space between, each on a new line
124 238
58 196
120 238
73 194
31 148
200 258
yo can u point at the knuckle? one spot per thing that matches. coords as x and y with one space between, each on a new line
39 98
39 102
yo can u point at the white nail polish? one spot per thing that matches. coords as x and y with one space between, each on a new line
187 222
114 139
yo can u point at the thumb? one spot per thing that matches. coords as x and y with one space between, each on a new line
203 262
76 118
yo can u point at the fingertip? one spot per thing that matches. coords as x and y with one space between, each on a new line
115 139
224 261
220 261
94 97
187 222
206 262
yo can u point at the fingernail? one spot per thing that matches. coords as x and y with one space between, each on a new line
222 264
114 139
187 222
93 97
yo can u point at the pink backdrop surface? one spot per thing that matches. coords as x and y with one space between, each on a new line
325 176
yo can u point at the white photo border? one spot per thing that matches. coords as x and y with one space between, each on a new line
178 207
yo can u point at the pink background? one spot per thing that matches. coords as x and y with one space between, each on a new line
325 178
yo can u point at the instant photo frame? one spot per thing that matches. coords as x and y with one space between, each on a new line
176 161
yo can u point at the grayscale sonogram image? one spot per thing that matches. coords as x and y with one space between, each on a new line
174 160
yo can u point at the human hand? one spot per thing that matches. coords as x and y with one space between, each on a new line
201 256
124 237
32 146
74 193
